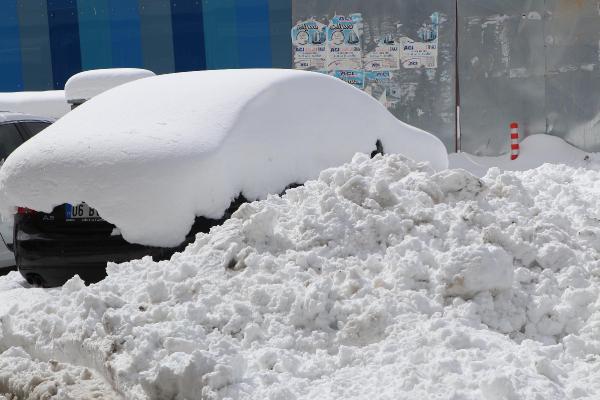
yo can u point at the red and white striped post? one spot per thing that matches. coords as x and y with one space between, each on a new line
514 141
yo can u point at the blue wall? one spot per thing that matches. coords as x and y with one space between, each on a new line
44 42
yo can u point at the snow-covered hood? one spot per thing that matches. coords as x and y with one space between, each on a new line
152 154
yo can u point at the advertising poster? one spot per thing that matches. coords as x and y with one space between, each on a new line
344 50
385 57
354 77
425 52
400 52
336 47
309 40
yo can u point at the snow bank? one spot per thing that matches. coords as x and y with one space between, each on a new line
152 154
50 104
381 280
535 151
21 377
87 84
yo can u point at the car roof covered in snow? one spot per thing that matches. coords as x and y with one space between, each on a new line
87 84
11 116
152 154
48 104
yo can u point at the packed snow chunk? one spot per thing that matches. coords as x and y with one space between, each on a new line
87 84
27 378
152 154
48 104
472 269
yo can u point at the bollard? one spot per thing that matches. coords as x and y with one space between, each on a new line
514 141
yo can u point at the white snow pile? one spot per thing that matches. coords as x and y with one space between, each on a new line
152 154
87 84
24 378
382 280
49 104
536 150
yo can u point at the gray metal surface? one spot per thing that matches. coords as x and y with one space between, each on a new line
535 62
573 71
422 97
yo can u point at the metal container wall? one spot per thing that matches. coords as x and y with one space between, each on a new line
501 72
421 97
535 62
573 71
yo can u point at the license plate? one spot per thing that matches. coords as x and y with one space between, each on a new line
81 212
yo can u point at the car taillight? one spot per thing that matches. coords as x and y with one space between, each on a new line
24 210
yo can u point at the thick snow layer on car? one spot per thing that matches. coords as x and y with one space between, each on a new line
87 84
381 280
49 104
535 151
152 154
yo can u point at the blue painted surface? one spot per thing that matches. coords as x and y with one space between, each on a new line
188 35
280 22
36 61
253 34
125 30
94 34
157 36
11 76
220 33
45 42
125 33
63 25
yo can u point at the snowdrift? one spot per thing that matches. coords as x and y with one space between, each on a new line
152 154
535 151
383 279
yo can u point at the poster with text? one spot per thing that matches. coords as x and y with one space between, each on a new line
309 40
344 50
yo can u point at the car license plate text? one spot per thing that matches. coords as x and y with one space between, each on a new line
81 212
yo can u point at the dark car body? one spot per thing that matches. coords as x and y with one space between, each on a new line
15 129
52 248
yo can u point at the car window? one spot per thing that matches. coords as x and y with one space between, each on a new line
30 129
10 139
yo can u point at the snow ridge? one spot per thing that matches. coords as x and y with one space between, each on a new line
382 279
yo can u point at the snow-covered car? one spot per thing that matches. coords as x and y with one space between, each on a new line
160 159
15 129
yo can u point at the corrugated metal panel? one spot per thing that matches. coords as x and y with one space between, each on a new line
63 25
188 35
157 36
35 44
11 76
125 33
94 34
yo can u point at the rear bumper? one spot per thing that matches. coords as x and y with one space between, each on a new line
52 250
55 257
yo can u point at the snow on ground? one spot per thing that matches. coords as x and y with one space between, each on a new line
535 151
27 378
157 152
382 280
87 84
49 104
